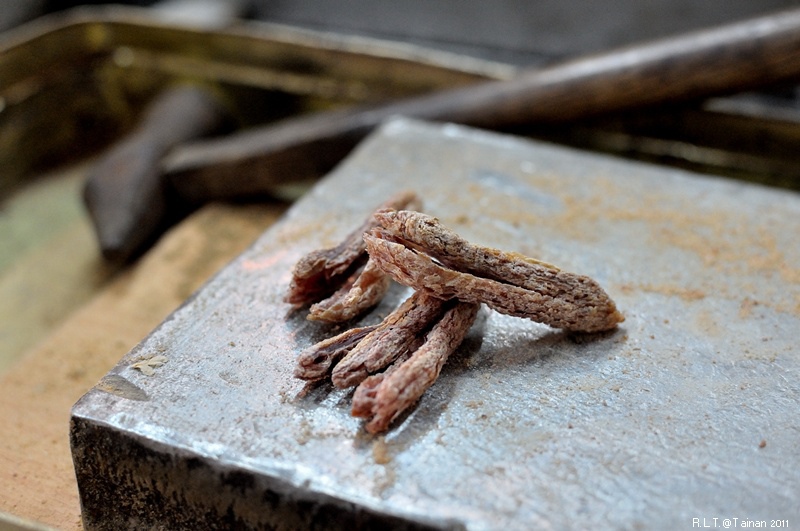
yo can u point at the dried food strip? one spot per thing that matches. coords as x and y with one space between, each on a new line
320 273
393 337
425 233
315 362
363 290
364 395
563 301
390 395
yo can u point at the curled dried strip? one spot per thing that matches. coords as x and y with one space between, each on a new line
320 273
365 393
426 233
563 301
315 362
388 396
393 337
363 290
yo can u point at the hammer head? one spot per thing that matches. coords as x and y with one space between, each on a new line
126 199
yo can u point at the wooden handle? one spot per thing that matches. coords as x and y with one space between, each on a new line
731 58
728 59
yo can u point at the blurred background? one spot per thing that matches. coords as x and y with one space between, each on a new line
77 77
514 30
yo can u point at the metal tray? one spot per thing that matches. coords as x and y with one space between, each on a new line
70 83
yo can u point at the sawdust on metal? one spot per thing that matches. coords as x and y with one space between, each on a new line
688 410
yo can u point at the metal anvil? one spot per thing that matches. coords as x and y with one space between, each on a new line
688 410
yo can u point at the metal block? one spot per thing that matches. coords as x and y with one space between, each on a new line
688 411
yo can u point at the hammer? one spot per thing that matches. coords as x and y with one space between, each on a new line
727 59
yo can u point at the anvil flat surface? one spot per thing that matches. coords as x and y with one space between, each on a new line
689 410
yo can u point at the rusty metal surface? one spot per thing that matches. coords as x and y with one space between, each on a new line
688 411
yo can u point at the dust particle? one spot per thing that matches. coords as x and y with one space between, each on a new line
304 432
148 366
380 452
746 307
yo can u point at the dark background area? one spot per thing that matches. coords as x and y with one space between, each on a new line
517 31
752 136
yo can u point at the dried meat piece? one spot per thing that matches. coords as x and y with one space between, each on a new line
320 273
427 234
364 397
391 339
388 396
363 290
452 277
315 362
546 294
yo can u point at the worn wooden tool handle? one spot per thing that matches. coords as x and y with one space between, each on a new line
727 59
742 56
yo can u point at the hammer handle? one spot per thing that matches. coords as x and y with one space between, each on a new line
727 59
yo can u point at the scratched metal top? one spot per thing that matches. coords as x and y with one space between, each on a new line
689 410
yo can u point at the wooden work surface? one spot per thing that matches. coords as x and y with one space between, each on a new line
66 318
